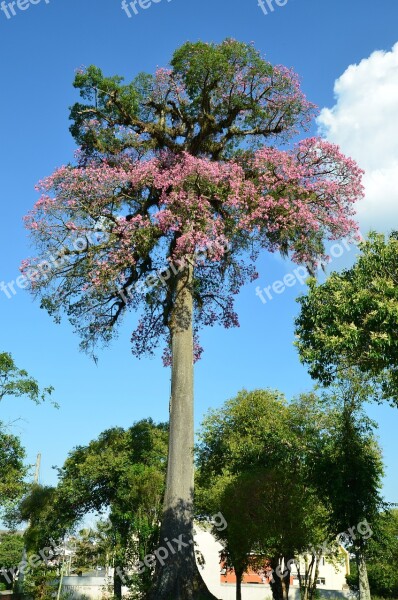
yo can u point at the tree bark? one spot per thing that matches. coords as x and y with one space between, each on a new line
178 578
239 577
276 581
286 579
363 582
305 582
313 583
117 582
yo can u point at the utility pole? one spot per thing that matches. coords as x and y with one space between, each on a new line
37 469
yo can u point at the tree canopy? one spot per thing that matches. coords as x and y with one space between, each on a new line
289 478
351 320
382 554
156 189
121 474
255 460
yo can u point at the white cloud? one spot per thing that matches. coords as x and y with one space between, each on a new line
364 122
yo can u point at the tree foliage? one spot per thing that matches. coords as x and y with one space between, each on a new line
382 556
92 547
290 477
14 382
156 189
350 465
351 470
12 468
17 382
11 552
255 460
351 319
121 474
11 549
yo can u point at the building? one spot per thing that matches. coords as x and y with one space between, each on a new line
222 583
331 582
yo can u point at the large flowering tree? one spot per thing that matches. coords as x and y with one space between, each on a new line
176 190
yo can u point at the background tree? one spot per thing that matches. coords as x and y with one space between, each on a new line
45 528
92 547
12 469
351 319
122 472
173 197
17 382
48 520
11 549
41 582
350 470
226 492
309 420
382 556
14 382
254 460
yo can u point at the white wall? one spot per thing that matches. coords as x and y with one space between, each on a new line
210 550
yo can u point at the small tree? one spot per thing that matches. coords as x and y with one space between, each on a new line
382 555
123 472
92 546
254 460
173 197
350 470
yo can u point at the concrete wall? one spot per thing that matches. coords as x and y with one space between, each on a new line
91 587
263 592
95 588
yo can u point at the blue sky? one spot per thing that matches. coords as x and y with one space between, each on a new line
41 47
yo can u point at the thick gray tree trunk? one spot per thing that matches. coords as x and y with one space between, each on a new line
364 589
178 578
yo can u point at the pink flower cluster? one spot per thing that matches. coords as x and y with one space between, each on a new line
101 222
203 203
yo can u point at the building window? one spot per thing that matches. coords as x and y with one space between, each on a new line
321 581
